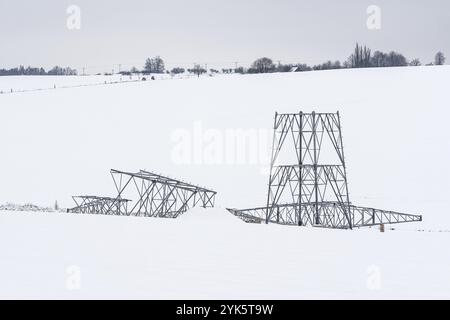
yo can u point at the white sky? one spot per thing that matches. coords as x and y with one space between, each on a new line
214 32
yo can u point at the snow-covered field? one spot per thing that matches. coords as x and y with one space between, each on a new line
57 143
208 254
36 83
19 84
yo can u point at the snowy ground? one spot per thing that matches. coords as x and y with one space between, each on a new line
19 84
57 143
209 254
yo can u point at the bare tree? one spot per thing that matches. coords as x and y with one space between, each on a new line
263 65
198 70
360 58
439 59
177 70
415 63
154 65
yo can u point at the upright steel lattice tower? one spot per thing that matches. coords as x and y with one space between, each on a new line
311 189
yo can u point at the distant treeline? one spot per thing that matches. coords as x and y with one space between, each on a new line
361 57
30 71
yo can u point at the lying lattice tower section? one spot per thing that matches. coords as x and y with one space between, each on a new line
311 188
146 194
99 205
155 195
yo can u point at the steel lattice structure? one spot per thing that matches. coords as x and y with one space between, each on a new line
152 195
99 205
159 196
313 191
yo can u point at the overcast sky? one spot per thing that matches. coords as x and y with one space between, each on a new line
214 32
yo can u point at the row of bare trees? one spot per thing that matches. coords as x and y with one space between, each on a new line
33 71
362 57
